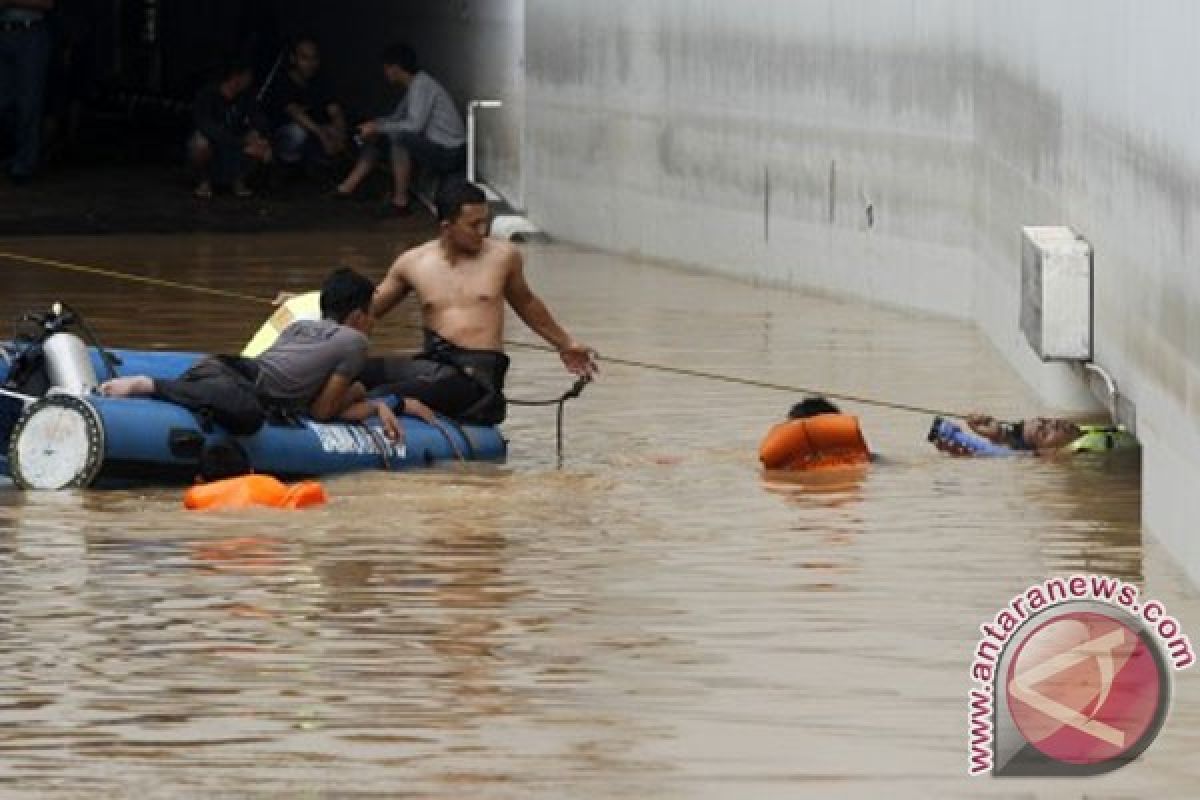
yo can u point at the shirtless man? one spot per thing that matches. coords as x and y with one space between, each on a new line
462 280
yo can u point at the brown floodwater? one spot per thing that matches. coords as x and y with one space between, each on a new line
653 621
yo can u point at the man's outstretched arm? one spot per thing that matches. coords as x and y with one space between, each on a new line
577 357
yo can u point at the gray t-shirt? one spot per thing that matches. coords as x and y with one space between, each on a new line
427 109
294 369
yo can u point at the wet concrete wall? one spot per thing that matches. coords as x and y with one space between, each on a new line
474 47
797 141
1085 115
892 149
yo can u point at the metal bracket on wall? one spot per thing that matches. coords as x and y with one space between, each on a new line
1120 409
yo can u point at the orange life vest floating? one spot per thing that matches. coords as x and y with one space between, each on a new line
826 440
253 490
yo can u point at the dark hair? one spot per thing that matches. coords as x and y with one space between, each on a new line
344 292
455 193
223 459
232 67
812 407
402 56
304 39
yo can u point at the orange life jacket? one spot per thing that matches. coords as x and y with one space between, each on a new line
826 440
253 490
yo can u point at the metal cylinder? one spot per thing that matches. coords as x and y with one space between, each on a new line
68 364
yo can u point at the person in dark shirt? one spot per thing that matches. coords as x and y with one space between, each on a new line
24 56
307 124
230 132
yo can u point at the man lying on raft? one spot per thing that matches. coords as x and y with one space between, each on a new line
1039 435
462 280
310 369
817 435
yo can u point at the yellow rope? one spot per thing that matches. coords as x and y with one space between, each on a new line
112 273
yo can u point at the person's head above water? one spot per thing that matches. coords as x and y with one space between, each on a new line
346 299
1044 433
221 460
462 212
812 407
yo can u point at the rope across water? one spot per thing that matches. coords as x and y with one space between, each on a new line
560 401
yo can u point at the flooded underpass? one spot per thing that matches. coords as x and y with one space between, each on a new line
653 620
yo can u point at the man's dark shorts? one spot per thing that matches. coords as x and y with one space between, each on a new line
467 385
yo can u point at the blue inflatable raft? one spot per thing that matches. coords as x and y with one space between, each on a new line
65 440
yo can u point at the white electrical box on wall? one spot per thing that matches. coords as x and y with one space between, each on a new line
1056 293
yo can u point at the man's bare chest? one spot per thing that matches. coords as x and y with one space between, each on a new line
460 286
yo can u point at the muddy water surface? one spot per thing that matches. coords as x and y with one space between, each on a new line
653 621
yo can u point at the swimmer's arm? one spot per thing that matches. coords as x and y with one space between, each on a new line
394 288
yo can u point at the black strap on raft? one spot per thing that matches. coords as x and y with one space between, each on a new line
560 401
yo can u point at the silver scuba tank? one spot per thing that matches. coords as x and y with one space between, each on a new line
68 364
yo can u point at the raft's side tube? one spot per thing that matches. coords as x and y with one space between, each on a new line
826 440
148 439
152 363
951 434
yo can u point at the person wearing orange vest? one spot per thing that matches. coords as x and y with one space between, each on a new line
226 482
817 435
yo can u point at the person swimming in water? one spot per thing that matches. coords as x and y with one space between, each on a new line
1038 435
816 435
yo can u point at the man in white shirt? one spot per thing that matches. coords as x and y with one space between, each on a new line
426 128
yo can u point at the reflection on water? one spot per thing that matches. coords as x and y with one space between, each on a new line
656 620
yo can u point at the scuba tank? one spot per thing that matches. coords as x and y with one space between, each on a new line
46 355
68 364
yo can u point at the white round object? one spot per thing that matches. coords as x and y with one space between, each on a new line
57 444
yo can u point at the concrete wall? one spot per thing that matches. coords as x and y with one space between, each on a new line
474 47
751 138
1084 116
